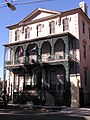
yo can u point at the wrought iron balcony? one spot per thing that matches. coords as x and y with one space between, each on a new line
73 58
20 60
55 57
58 57
44 58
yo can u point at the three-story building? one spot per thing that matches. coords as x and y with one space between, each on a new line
48 52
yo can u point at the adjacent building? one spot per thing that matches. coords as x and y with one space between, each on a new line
1 85
49 52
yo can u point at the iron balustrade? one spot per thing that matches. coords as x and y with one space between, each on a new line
44 58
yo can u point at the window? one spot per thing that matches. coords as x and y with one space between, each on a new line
89 32
39 30
83 24
52 27
53 77
65 24
85 76
53 80
84 48
17 35
27 33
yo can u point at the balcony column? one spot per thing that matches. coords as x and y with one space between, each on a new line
24 80
52 50
24 54
67 93
24 68
52 47
14 59
4 77
4 71
65 38
38 55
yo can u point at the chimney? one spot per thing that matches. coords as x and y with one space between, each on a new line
84 7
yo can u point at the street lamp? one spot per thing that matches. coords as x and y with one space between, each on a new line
10 5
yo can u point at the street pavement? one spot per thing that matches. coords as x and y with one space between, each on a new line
65 113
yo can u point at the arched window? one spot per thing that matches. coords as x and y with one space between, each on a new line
17 35
27 33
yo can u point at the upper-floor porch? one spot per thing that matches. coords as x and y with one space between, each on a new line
51 49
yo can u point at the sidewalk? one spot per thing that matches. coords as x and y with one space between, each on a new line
78 111
62 109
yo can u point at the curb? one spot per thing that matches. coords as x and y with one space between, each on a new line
36 107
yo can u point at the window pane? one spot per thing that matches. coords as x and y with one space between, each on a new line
85 76
27 33
84 48
52 27
16 35
83 24
39 30
65 24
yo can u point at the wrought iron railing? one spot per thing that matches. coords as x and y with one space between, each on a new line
54 57
73 58
46 58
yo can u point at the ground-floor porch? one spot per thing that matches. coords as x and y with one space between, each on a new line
47 84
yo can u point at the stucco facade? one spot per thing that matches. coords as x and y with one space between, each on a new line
59 64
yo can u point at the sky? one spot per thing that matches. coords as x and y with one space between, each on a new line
8 17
